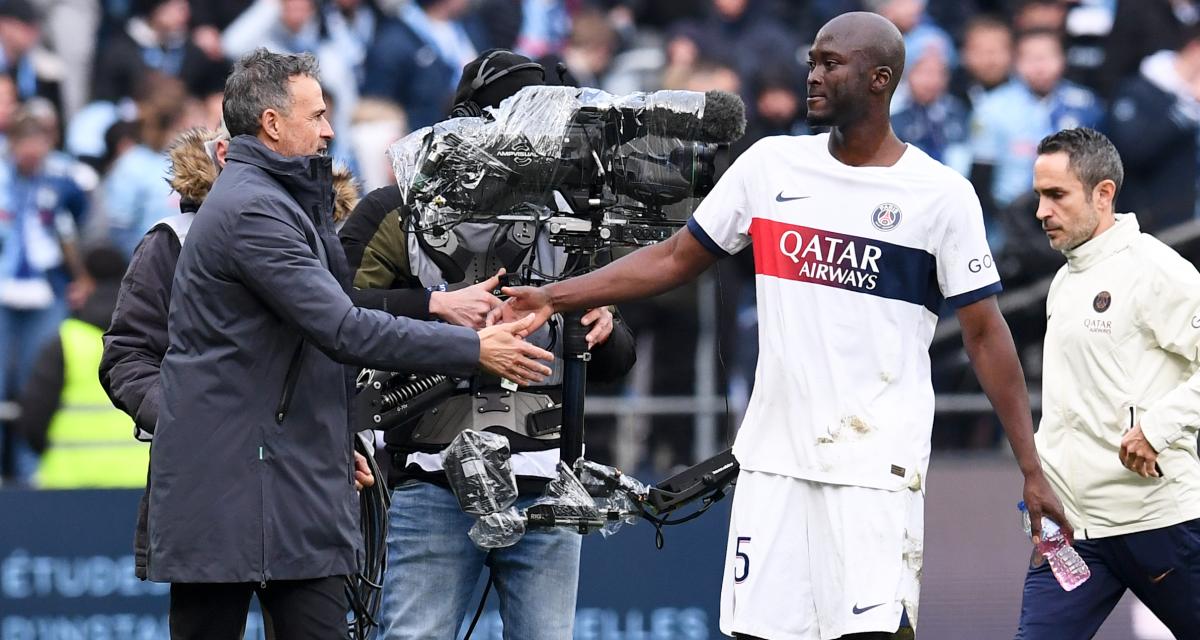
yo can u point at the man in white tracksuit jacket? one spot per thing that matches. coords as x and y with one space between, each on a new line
1121 401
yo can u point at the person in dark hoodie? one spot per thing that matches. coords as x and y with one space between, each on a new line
83 440
252 474
432 563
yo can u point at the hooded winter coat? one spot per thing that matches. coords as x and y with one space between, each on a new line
252 465
136 340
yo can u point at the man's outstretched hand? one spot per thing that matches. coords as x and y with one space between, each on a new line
1040 500
469 306
524 301
503 352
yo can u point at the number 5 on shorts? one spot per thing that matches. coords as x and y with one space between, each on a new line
745 560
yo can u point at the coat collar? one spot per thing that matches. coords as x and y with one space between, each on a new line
1116 238
309 179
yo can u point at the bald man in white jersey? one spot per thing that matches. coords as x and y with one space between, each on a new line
859 239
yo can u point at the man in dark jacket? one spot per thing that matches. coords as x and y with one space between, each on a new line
136 340
252 484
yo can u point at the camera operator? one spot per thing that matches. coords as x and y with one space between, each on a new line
432 563
252 474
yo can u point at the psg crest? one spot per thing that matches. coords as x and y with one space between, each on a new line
886 216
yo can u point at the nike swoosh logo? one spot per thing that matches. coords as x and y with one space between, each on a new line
857 611
1161 576
782 198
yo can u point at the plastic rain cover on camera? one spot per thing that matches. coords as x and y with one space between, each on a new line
497 530
612 491
479 471
637 155
567 497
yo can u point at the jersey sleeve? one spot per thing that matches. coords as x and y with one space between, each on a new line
722 221
966 270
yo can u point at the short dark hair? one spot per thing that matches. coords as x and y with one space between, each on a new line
260 81
986 22
1038 32
1091 155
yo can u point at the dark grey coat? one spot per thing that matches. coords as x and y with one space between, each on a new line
252 466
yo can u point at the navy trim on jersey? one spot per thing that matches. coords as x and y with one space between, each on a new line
963 299
702 236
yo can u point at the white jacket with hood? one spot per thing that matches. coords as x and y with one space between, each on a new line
1122 347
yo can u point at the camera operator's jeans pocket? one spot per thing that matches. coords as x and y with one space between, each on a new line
433 569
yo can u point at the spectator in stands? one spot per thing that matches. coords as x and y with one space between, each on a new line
297 26
589 50
745 31
70 29
777 108
986 59
39 264
545 27
1154 123
155 38
36 71
84 441
1009 122
60 163
9 104
929 117
135 192
418 56
1033 15
684 48
209 19
1139 29
351 28
920 32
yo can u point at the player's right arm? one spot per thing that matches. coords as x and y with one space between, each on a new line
646 272
720 227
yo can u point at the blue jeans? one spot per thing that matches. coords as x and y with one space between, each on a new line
433 566
23 333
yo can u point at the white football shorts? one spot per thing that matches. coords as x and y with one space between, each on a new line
814 561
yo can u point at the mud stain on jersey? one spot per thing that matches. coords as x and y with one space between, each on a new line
849 429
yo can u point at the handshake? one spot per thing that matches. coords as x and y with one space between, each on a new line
503 327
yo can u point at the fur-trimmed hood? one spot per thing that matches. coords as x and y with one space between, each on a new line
193 172
345 193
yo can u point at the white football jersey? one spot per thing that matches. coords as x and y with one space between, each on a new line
852 265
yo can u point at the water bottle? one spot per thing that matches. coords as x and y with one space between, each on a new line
1069 569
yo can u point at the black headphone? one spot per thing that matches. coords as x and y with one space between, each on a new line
467 108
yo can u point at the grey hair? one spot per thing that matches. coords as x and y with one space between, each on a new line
260 81
1091 155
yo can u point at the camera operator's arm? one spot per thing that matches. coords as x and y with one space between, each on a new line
646 272
377 249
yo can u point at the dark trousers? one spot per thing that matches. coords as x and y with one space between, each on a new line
292 609
1160 566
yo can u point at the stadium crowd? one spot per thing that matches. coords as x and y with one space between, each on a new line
92 92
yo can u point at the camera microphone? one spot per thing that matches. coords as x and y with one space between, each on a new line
723 120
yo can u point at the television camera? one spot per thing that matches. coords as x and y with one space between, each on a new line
591 169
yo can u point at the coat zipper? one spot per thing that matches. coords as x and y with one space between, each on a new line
262 492
289 384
